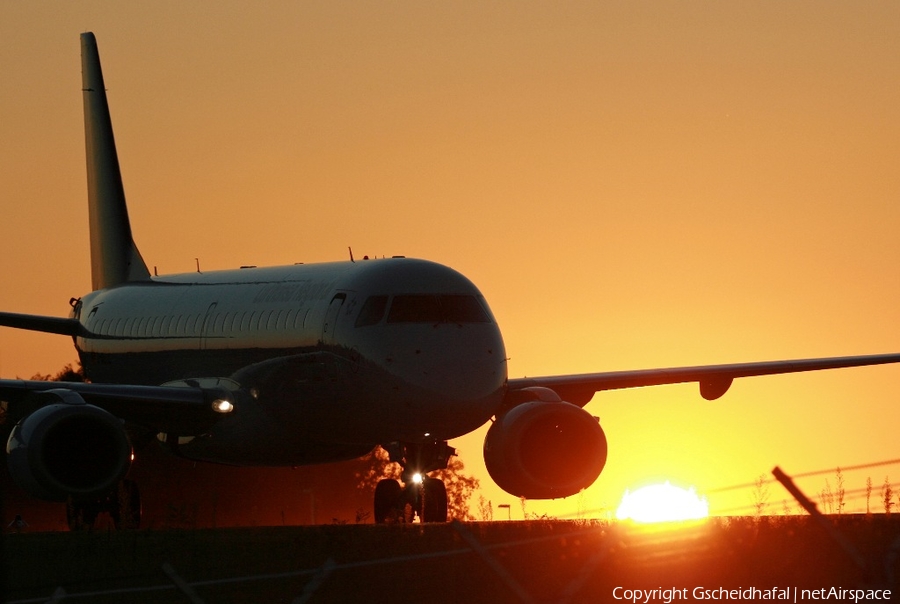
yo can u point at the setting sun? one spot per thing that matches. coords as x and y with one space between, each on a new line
662 503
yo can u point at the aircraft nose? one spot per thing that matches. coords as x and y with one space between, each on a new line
454 383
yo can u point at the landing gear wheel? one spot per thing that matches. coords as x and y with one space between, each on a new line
81 515
388 501
433 504
420 495
125 506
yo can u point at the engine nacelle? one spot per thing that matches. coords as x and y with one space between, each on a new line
67 449
545 449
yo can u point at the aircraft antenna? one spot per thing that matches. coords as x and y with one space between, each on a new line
351 253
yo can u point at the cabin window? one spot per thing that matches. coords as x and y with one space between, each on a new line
290 318
219 324
190 324
437 309
300 319
372 311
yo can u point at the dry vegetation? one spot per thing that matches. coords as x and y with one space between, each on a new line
401 563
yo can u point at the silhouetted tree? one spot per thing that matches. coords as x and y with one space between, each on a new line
66 374
460 487
377 467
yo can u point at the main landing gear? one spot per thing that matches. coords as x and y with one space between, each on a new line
420 496
123 506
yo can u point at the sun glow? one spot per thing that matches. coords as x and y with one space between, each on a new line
662 503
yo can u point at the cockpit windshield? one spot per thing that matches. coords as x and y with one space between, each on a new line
372 311
437 309
424 308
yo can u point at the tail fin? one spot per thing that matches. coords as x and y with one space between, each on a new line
114 257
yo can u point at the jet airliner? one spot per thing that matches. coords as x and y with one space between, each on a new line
296 365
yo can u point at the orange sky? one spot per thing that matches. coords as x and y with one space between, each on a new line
631 185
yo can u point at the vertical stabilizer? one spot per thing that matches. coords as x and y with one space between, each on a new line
114 257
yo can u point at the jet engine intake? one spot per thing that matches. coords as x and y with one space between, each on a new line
68 449
545 449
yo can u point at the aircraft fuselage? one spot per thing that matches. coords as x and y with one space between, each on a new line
330 359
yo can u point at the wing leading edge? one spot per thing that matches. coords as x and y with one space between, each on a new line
714 380
172 409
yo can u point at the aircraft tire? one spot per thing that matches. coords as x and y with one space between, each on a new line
81 515
434 500
387 501
125 506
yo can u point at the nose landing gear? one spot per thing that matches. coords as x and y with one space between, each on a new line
396 504
420 495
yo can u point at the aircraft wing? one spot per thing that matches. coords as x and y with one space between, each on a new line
66 327
171 409
714 380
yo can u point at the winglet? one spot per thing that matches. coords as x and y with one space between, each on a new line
115 258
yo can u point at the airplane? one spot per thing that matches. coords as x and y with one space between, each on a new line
295 365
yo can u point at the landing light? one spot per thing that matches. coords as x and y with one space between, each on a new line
417 478
220 405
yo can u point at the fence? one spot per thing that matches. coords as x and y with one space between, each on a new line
563 561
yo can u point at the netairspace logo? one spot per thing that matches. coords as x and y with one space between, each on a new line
718 594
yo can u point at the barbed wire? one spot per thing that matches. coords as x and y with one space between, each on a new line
830 470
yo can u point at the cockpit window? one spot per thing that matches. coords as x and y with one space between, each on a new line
463 309
437 309
415 309
372 311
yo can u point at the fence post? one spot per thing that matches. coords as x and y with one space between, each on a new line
810 507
